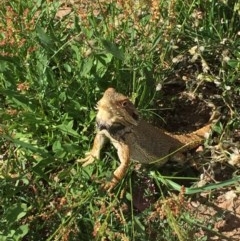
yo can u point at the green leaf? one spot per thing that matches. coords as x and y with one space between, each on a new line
14 60
87 66
3 66
139 225
26 145
16 212
218 128
71 148
67 67
113 49
58 149
57 146
156 41
14 234
21 232
233 63
39 168
77 52
102 63
20 100
129 196
193 190
67 129
44 38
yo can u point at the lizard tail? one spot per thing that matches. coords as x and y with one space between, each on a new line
195 138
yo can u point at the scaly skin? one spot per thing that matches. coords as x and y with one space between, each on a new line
118 120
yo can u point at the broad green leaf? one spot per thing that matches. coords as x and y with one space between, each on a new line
57 146
67 129
44 38
87 66
77 52
3 66
20 232
113 49
234 63
16 212
14 234
71 148
67 67
218 128
129 196
39 169
101 63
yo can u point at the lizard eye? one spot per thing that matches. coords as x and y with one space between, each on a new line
124 103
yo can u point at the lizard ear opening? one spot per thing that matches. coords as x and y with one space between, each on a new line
135 116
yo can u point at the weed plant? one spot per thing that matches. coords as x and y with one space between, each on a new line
56 59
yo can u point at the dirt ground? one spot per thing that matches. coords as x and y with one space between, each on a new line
223 212
221 208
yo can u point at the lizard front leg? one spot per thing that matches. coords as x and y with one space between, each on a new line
119 173
91 156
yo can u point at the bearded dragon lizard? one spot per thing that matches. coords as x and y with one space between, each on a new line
118 120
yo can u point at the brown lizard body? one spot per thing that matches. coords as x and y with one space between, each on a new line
135 139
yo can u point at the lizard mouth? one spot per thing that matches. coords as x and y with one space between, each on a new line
112 129
102 126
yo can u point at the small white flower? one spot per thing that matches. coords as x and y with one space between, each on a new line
177 59
224 41
193 50
217 82
230 195
158 87
227 87
234 159
201 48
205 66
226 59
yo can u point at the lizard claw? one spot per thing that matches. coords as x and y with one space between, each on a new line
89 159
108 186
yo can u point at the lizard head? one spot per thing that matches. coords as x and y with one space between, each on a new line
115 109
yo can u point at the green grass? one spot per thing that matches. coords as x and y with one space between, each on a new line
52 72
